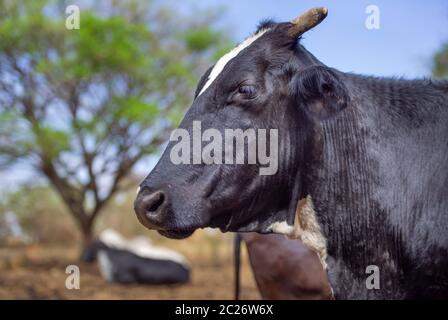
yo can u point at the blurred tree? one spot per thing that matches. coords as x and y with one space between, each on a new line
440 66
84 106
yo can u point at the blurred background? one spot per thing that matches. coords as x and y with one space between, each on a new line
85 113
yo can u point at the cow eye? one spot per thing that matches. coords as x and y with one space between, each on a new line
248 91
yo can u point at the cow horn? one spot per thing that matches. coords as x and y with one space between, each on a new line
306 21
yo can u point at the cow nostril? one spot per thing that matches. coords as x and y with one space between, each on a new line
150 207
155 202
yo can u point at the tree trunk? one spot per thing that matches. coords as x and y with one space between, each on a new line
87 241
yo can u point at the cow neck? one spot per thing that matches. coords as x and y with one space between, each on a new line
336 175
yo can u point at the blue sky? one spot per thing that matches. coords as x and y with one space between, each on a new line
410 31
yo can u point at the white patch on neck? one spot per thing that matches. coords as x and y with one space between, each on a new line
305 228
140 246
282 228
219 66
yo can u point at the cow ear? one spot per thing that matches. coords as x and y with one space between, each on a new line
320 91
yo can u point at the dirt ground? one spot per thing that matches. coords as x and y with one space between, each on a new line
38 272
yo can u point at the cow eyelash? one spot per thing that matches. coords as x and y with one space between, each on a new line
247 91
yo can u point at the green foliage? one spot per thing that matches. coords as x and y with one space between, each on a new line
51 140
200 39
124 60
104 46
440 67
135 110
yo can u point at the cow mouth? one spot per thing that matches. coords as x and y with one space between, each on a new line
176 234
222 221
231 223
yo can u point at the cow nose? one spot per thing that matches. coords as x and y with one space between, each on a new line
149 208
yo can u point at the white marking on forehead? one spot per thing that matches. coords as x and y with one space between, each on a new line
219 66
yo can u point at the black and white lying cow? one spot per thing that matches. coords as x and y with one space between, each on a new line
362 173
137 261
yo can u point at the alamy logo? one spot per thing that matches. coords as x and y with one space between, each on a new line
373 19
72 20
373 280
72 280
230 149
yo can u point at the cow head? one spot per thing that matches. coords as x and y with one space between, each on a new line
267 87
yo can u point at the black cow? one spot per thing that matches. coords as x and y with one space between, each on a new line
362 173
136 261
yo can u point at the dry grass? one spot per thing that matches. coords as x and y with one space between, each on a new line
38 272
